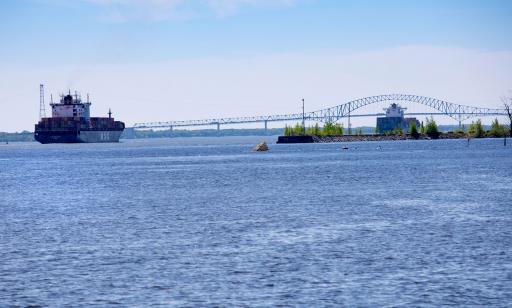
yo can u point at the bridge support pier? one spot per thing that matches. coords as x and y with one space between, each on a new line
349 124
218 126
266 122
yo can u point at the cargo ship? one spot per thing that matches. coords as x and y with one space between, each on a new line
71 123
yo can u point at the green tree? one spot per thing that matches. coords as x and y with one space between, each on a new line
316 129
431 128
328 129
338 129
298 129
422 128
413 130
313 131
476 129
497 130
398 131
461 129
507 103
288 130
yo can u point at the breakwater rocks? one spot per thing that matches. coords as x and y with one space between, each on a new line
260 147
350 138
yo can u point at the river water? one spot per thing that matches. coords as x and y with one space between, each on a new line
206 222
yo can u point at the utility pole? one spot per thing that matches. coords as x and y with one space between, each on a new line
42 110
303 120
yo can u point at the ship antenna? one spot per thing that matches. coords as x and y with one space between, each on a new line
42 110
51 98
88 98
109 113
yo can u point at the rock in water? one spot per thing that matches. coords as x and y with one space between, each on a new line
261 147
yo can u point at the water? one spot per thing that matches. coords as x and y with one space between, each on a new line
205 222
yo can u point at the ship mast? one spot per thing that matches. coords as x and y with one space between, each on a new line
42 110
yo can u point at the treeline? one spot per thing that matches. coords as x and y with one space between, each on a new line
474 130
337 129
477 130
16 137
137 134
329 129
429 127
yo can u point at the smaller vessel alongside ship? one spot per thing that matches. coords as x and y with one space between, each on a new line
71 123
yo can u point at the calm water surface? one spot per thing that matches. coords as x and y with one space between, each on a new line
205 222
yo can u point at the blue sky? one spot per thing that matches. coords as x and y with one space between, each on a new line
51 40
308 25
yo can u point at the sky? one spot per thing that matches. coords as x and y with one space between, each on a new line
159 60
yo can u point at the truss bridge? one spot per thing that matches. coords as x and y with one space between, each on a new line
333 114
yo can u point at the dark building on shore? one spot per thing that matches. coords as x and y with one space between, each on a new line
395 119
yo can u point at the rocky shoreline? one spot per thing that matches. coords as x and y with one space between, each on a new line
349 138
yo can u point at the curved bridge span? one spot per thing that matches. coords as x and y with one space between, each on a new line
336 113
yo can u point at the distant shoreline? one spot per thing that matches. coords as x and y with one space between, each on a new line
26 136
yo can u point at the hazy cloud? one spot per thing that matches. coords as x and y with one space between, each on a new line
263 85
158 10
230 7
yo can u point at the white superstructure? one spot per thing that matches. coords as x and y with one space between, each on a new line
71 107
394 110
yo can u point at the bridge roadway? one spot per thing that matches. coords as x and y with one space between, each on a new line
336 113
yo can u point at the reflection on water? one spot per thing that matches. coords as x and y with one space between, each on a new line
204 221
